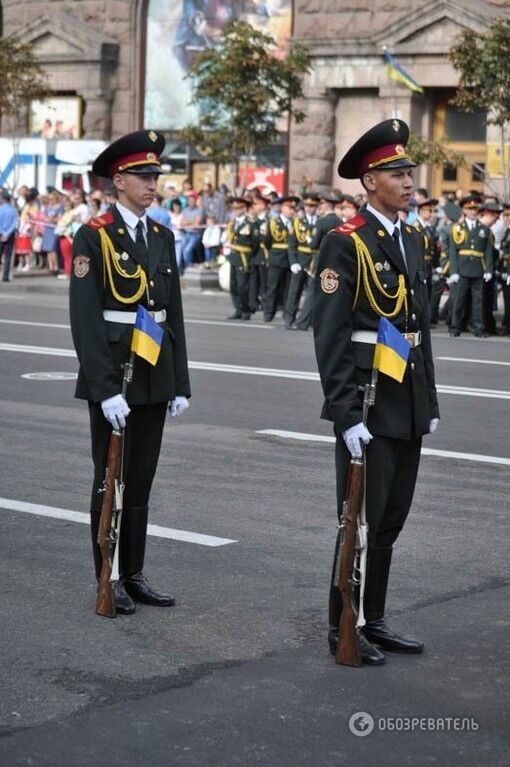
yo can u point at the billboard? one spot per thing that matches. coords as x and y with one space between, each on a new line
55 117
179 29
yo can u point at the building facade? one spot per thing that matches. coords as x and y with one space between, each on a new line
96 50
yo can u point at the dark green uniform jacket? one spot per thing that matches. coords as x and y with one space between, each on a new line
300 242
102 346
243 243
277 242
471 252
401 410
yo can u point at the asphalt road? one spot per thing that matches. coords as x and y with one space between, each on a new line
238 672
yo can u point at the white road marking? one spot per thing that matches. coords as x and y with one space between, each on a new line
303 437
298 375
35 324
187 320
156 531
478 362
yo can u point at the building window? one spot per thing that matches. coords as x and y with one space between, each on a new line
465 126
478 172
449 173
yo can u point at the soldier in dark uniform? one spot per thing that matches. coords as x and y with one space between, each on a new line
243 244
369 267
277 243
471 264
488 213
122 259
258 272
300 256
432 248
504 267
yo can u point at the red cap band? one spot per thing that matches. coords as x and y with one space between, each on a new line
132 160
382 155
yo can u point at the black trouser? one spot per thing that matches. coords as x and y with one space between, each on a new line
305 317
489 296
468 286
505 323
142 443
239 287
297 284
258 286
6 249
436 292
277 277
391 472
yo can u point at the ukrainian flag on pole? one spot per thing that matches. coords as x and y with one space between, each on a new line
397 72
147 336
391 351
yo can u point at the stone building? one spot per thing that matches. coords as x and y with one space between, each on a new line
95 49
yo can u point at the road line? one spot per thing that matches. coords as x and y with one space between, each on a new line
35 324
156 531
303 437
298 375
222 323
478 362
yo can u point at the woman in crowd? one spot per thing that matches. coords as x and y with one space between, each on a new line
51 213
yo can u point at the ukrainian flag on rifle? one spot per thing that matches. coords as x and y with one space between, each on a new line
147 336
397 72
391 351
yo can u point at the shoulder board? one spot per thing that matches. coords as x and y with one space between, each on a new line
100 221
350 226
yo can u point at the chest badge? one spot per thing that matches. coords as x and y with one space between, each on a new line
378 266
386 266
329 280
125 256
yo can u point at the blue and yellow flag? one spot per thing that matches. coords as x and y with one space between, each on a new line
391 351
147 336
397 72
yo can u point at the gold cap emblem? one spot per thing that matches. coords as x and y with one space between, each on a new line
395 125
153 135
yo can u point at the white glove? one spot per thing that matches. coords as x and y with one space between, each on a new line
508 280
452 279
178 406
487 276
296 268
434 423
355 437
438 270
115 409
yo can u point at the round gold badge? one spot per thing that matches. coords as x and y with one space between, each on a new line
329 280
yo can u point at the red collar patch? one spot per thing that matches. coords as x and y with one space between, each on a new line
350 226
100 221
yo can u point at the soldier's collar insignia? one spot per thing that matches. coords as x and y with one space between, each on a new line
381 232
408 229
329 280
155 229
120 230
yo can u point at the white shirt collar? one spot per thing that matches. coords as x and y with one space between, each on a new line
390 226
130 218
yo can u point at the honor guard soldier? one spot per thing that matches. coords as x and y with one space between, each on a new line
243 244
504 267
122 259
300 256
368 268
277 243
488 213
471 264
258 272
423 224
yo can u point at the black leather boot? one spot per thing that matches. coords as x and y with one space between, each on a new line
133 535
376 630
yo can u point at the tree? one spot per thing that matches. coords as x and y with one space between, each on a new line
241 89
21 76
426 151
483 62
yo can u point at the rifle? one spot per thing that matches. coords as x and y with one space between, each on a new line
353 550
111 514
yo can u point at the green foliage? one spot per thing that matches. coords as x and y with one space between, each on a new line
20 74
241 89
428 152
483 60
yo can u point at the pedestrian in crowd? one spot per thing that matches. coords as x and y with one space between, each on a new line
258 270
103 304
424 225
211 239
349 207
23 241
488 215
243 243
8 227
158 213
176 227
504 267
192 227
471 264
301 253
82 211
51 213
277 244
345 325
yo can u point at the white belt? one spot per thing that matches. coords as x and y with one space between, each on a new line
128 318
370 337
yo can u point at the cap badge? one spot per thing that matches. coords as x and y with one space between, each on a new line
399 149
151 157
153 135
329 280
395 125
81 266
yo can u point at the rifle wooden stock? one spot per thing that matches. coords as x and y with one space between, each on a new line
105 601
348 650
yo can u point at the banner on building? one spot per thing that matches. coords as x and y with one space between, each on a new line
56 117
497 165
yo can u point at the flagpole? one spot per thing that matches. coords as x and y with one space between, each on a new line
393 101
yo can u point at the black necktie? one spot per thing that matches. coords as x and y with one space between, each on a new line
396 237
140 245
